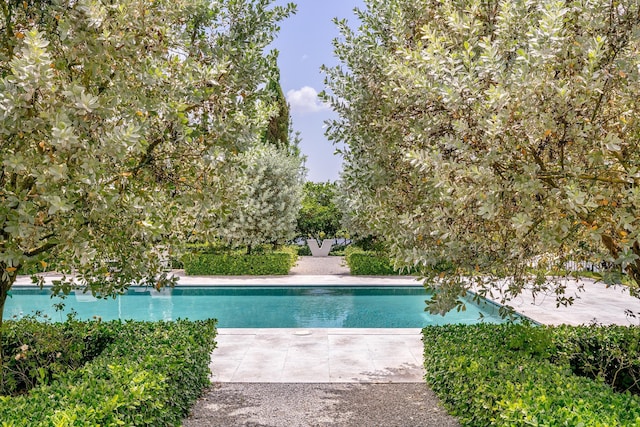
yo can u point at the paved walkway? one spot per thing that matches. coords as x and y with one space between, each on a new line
318 356
331 265
594 303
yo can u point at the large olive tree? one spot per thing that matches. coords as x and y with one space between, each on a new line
119 120
268 193
489 136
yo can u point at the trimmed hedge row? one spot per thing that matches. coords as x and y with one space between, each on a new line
368 263
519 375
149 374
235 264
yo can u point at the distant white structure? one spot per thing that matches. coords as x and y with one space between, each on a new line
322 250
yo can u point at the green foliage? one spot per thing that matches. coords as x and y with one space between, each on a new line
36 352
492 134
121 128
319 216
610 354
514 375
277 131
239 264
368 263
268 193
149 375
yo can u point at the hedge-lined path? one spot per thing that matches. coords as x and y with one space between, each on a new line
330 265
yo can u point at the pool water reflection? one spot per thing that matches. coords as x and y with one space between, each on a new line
258 307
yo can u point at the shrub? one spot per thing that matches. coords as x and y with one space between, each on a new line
608 353
149 375
36 352
511 375
368 263
303 250
238 264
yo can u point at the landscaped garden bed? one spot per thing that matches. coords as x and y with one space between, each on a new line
518 375
103 373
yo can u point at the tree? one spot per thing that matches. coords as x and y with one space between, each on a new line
319 212
268 191
277 131
118 123
490 135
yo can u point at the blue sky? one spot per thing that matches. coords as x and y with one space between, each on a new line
304 43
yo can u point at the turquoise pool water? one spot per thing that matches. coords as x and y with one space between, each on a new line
258 307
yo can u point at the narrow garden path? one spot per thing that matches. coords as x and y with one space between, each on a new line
330 265
306 405
319 377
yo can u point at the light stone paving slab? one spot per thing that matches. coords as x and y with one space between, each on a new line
318 356
292 280
594 303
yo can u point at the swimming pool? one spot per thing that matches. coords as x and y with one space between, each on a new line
258 307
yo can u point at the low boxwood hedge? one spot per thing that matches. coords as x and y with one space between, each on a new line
369 263
149 374
518 375
238 264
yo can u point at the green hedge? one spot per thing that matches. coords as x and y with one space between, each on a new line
368 263
235 264
149 374
518 375
607 353
36 352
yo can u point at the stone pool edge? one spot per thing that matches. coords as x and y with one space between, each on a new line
293 280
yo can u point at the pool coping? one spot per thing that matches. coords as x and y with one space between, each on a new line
291 280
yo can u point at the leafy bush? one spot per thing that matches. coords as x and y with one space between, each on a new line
238 264
609 353
339 250
303 250
368 263
149 375
515 375
36 352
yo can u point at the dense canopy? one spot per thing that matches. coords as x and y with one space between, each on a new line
493 136
122 128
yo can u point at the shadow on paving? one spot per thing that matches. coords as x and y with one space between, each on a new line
306 405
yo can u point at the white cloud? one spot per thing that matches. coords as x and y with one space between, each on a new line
305 100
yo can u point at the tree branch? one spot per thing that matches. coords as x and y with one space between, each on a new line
37 251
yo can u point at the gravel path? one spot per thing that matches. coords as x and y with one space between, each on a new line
319 405
330 265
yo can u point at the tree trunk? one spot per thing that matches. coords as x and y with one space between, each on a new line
632 269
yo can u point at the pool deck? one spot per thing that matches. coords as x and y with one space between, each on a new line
281 376
370 355
376 355
318 356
